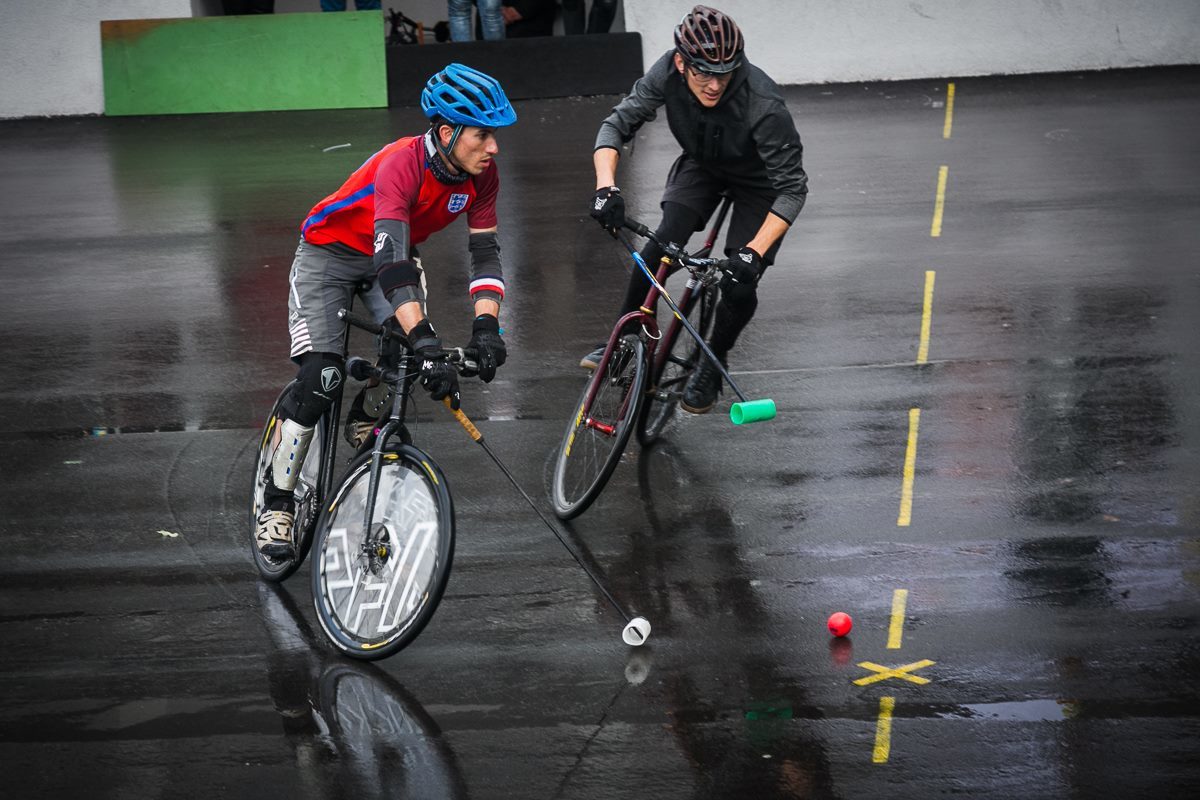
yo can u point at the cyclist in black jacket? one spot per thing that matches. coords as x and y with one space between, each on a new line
737 137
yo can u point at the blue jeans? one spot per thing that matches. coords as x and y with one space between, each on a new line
460 19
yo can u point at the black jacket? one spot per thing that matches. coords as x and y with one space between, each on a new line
749 136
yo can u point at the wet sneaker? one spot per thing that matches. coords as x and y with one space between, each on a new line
274 532
700 394
592 359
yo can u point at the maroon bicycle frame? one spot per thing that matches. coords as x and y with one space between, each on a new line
646 316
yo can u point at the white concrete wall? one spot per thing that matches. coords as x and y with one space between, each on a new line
824 41
50 52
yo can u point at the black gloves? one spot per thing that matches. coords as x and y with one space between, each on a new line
745 268
488 346
608 208
438 375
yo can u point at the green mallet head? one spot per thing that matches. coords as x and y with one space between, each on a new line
752 411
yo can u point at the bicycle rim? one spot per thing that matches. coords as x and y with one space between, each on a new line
376 590
663 399
594 441
306 495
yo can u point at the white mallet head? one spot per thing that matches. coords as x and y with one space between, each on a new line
636 632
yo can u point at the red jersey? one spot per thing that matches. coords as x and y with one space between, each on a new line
396 183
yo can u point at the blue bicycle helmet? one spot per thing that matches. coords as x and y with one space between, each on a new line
464 96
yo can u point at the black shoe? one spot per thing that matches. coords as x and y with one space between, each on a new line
700 394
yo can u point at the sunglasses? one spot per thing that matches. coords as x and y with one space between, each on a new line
704 76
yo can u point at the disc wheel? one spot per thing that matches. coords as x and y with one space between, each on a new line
375 589
595 440
306 494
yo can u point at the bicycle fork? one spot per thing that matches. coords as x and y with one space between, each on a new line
373 548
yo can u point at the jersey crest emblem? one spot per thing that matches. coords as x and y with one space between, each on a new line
457 202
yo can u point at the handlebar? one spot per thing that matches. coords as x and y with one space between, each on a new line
708 270
365 324
464 359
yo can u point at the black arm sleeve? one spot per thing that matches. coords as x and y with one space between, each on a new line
398 275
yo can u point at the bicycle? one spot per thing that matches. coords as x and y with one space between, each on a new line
384 539
641 375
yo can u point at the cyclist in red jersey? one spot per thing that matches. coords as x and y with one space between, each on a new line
366 233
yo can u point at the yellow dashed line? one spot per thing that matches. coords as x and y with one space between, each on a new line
896 630
926 319
910 468
940 203
949 112
883 730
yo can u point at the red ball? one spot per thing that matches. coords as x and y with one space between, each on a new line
839 623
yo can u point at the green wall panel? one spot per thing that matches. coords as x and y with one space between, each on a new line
272 62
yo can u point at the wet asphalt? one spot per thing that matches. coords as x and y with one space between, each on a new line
986 452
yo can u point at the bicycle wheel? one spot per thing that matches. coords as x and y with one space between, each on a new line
593 443
375 592
674 368
307 494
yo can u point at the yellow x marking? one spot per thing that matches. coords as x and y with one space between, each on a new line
897 672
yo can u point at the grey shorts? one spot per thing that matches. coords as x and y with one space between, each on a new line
322 281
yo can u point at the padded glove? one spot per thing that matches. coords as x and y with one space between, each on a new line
488 346
745 268
438 375
608 208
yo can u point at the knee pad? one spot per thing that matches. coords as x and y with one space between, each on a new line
289 455
321 375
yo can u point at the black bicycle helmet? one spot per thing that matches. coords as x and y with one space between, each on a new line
709 41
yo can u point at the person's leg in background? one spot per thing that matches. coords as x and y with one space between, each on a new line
459 17
491 20
572 17
600 19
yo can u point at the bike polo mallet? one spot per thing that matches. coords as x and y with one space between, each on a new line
637 629
739 413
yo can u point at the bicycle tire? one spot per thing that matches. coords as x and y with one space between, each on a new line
307 494
414 509
673 370
587 455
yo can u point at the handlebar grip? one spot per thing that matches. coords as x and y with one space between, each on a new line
365 324
464 359
637 227
359 368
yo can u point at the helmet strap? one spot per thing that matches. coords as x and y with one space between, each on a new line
447 151
438 161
